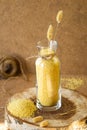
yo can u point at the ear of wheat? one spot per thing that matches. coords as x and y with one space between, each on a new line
59 16
50 33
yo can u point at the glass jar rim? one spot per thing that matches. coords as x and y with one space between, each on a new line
42 44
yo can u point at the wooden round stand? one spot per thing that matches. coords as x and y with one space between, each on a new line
71 116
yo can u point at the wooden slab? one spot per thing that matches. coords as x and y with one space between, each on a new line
71 116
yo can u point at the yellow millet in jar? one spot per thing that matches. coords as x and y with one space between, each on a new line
22 108
48 78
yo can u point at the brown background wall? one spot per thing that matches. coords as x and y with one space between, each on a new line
24 22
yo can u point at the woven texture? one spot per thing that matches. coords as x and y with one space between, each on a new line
24 23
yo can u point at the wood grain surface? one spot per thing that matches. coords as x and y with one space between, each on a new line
18 85
74 109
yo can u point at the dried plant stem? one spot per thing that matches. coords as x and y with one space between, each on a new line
31 57
56 31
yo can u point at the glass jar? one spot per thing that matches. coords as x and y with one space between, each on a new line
48 79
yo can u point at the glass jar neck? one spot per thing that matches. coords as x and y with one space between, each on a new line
46 52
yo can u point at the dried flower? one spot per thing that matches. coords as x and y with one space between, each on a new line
50 33
59 16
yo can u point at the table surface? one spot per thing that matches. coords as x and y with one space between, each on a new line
16 85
